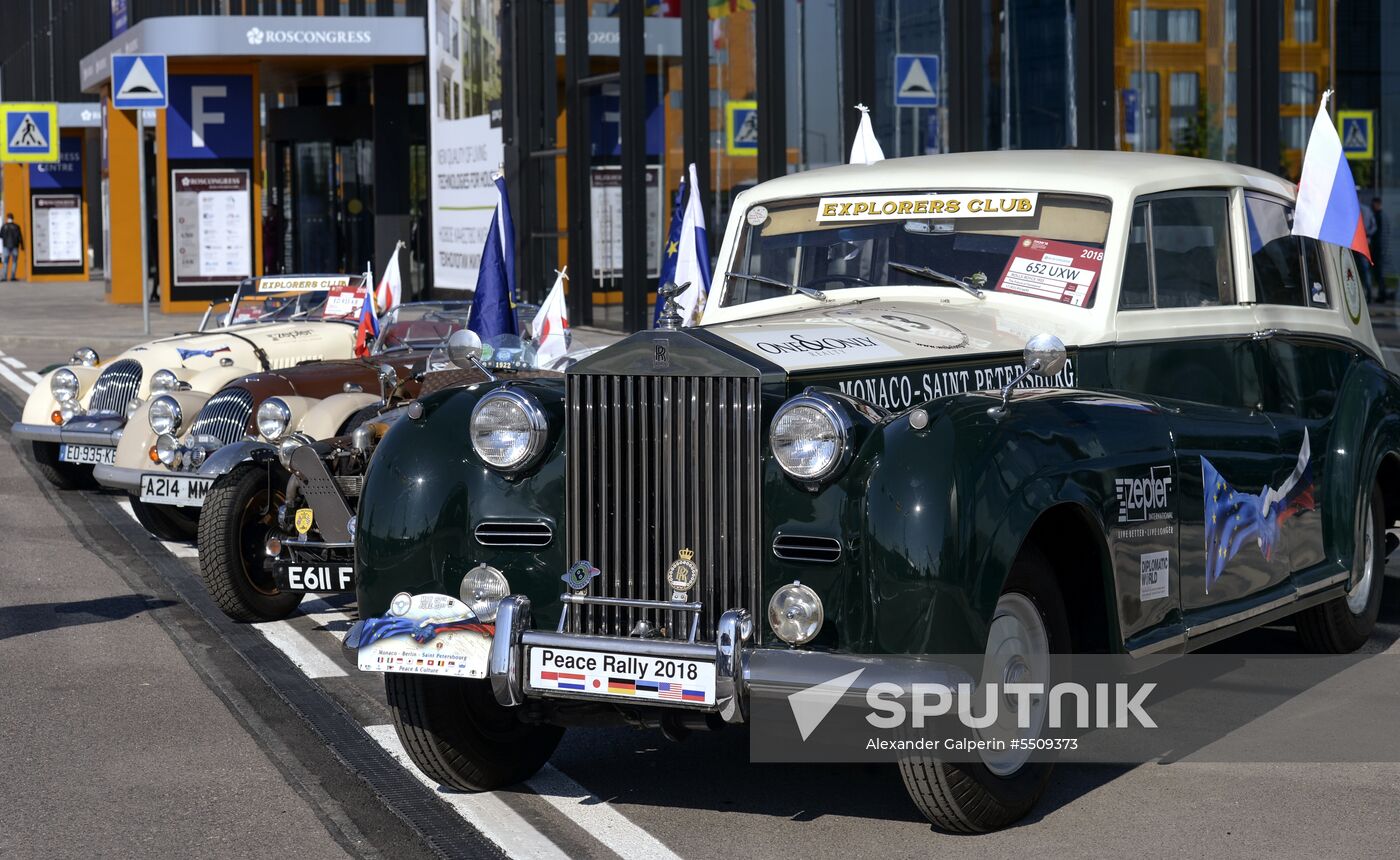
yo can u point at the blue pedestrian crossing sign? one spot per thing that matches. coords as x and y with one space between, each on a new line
916 80
31 132
1358 132
139 81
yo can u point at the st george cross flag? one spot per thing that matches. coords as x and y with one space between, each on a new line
492 313
551 324
693 257
671 251
389 294
1328 208
866 149
368 331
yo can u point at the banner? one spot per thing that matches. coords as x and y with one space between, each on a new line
464 40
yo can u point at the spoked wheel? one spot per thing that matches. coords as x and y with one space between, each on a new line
167 522
1028 626
239 514
1343 624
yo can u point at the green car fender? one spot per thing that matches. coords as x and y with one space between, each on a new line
1362 445
945 509
424 490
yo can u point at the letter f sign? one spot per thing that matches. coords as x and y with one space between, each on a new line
199 117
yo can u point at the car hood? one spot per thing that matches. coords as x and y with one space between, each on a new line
284 344
836 336
320 379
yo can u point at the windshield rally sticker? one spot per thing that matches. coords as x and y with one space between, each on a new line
1058 271
794 347
898 391
891 206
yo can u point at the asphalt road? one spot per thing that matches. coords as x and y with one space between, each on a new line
136 720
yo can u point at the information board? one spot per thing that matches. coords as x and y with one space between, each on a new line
57 230
213 227
606 223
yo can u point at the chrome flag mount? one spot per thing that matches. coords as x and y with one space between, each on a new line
1328 208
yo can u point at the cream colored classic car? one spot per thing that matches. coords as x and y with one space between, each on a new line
76 415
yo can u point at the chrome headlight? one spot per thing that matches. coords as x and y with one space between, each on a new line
809 437
273 417
164 380
508 429
167 450
285 449
164 415
84 355
64 385
482 589
795 613
68 410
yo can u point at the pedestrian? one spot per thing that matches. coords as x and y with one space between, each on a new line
11 243
1376 239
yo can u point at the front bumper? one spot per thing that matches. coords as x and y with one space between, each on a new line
80 430
118 477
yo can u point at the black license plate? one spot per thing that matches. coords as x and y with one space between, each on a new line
294 576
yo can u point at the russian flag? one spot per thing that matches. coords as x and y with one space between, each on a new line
368 331
1328 209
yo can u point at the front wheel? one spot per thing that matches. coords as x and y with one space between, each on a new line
65 476
1028 625
167 522
1343 624
239 513
457 733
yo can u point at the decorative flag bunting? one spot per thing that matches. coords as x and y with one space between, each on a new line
1328 208
551 324
866 149
492 313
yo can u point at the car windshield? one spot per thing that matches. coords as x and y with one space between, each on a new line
271 308
421 325
1047 246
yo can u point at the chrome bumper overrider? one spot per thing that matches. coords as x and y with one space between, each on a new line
78 431
506 666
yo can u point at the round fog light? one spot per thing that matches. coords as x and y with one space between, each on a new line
285 449
482 590
273 547
795 613
167 449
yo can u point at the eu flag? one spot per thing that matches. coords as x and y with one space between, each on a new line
671 251
492 313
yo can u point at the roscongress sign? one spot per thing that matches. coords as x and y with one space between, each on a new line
258 36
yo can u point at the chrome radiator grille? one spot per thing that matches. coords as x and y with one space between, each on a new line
658 464
115 386
225 415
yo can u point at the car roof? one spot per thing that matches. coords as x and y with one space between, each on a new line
1120 175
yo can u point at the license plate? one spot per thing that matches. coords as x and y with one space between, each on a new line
93 455
298 577
174 489
622 676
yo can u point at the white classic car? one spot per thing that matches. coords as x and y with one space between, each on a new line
76 416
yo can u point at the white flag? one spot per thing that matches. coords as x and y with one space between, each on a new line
551 324
390 290
693 257
866 149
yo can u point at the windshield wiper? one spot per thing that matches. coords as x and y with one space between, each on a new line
809 292
934 275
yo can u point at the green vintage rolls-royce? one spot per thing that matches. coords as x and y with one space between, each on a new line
1012 403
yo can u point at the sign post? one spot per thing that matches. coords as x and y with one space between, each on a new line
141 82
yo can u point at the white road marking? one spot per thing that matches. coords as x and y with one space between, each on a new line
299 650
32 375
485 811
599 819
14 362
181 550
331 619
16 380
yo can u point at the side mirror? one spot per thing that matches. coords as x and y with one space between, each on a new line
1045 355
464 349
